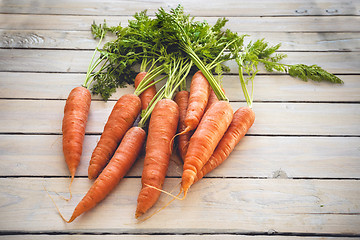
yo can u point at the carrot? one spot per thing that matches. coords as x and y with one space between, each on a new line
198 99
118 166
242 121
203 142
162 128
76 112
212 99
182 98
147 95
120 120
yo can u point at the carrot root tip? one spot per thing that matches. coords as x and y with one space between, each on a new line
138 214
57 208
167 193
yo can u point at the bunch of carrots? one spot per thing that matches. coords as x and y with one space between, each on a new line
201 121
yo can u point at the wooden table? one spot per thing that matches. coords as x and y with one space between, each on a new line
296 174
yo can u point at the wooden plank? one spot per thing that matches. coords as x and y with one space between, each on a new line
212 205
208 7
166 237
255 156
41 116
267 88
70 61
237 24
286 88
272 118
291 41
334 62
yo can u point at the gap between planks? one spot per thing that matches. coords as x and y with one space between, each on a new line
270 235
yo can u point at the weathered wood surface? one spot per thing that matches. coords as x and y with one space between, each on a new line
255 156
213 7
238 24
295 175
18 85
165 237
334 119
75 61
320 206
162 237
290 41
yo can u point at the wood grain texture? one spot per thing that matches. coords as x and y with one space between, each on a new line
271 118
294 176
290 41
313 24
75 61
170 236
234 205
166 237
254 156
267 88
197 8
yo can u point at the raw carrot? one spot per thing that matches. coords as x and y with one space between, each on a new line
242 121
120 120
198 99
212 99
118 166
147 95
182 99
203 142
162 128
76 112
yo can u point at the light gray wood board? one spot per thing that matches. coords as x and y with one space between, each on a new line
237 24
267 88
197 8
41 116
211 206
70 61
108 236
290 41
254 156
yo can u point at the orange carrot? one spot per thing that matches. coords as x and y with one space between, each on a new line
120 120
182 98
148 94
212 99
162 128
118 166
203 142
76 112
198 99
242 121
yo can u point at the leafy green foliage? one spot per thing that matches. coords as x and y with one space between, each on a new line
98 31
133 43
313 72
175 35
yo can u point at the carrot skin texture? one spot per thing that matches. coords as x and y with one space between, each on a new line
119 165
147 95
203 142
182 99
120 120
212 99
198 99
242 121
76 113
162 128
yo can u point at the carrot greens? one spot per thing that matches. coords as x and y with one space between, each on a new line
207 46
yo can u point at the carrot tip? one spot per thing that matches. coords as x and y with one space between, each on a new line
57 208
139 214
186 130
64 198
